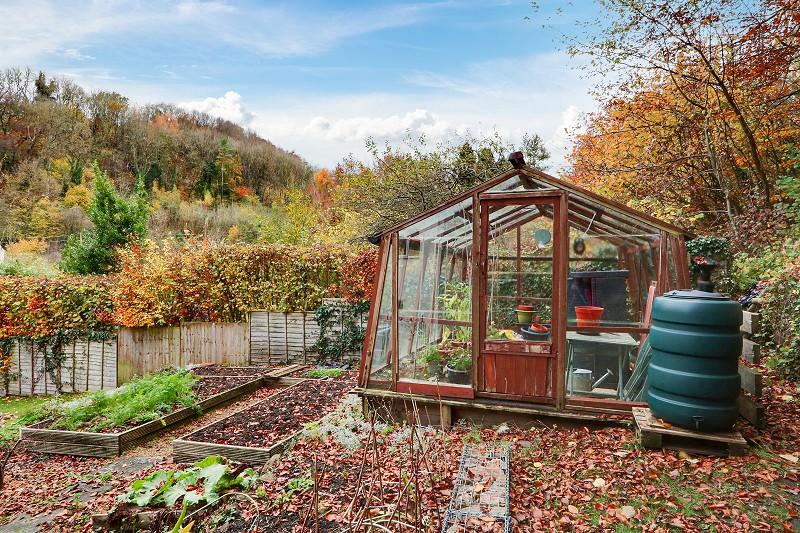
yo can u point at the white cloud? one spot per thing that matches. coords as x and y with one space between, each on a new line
34 28
74 53
227 107
191 8
561 140
535 94
392 127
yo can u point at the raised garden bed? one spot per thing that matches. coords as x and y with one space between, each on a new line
255 434
213 391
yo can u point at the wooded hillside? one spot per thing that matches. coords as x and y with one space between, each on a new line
51 130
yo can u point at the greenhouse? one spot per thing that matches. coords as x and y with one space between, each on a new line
523 291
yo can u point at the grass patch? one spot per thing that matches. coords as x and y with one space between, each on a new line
20 405
141 400
322 373
16 410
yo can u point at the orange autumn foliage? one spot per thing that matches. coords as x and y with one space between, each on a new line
703 114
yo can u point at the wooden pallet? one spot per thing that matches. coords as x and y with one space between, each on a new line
653 434
93 444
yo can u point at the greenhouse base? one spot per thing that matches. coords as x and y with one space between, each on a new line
397 406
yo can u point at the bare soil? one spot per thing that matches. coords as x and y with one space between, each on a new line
269 422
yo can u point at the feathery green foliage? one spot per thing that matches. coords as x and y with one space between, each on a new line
117 222
141 400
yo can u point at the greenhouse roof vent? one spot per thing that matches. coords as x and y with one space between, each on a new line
517 159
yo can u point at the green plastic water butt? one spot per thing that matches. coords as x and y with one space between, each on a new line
693 375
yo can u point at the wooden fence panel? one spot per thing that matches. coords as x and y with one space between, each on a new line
281 337
289 337
212 342
87 366
145 350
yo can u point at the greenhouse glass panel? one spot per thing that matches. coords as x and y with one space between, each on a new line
381 369
434 308
519 274
610 273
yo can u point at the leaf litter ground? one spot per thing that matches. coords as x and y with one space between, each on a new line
562 479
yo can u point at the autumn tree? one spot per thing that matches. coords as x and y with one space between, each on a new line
45 89
322 188
402 182
228 169
702 103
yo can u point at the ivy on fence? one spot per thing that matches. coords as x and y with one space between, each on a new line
51 347
340 329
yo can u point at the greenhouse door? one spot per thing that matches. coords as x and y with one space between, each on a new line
522 285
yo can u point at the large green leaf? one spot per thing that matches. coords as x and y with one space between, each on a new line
143 492
202 482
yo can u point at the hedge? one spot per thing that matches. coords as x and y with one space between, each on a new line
161 285
37 307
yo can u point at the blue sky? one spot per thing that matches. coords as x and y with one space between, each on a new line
320 77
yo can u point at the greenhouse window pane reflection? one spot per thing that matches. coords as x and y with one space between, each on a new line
435 287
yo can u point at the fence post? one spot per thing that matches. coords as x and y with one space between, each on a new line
119 336
305 349
250 339
269 337
102 365
73 365
33 366
19 366
180 345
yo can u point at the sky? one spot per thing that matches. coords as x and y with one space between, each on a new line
319 78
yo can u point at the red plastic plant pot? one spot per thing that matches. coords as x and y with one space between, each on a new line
588 315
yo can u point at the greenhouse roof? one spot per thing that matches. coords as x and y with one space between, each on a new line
450 223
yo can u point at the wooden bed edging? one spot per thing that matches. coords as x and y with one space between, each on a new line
185 450
95 444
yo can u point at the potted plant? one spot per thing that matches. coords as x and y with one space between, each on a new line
459 366
456 305
430 356
536 331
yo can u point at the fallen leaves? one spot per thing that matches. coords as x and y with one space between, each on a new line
561 479
627 511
